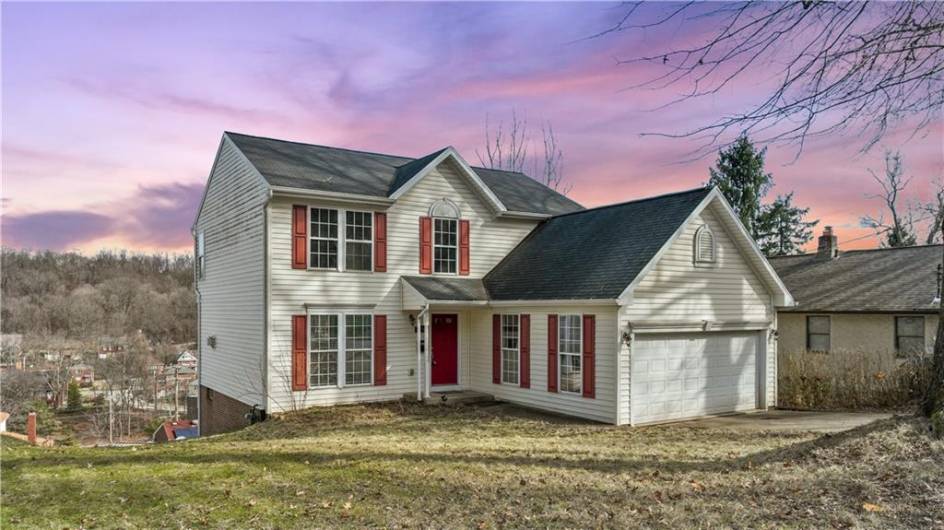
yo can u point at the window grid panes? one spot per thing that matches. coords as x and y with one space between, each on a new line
569 350
358 243
324 238
509 346
445 248
909 335
358 347
817 333
324 350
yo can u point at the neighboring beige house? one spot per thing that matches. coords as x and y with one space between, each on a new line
870 301
328 276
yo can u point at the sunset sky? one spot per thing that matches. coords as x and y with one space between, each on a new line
111 113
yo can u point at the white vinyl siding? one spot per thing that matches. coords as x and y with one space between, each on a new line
232 295
290 289
601 408
676 291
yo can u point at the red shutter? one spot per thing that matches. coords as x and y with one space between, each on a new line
464 247
380 242
496 349
524 346
589 350
299 352
552 353
380 350
426 245
299 237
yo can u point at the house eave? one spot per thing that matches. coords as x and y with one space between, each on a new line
353 198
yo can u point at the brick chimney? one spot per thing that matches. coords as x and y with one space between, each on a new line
828 245
31 428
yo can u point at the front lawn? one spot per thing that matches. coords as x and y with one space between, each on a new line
412 466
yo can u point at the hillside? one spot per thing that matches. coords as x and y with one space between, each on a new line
492 466
50 296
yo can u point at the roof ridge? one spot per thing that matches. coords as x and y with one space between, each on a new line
361 151
841 252
624 203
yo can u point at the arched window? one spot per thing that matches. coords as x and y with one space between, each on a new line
444 208
704 245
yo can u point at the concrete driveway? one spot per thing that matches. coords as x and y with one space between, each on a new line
791 421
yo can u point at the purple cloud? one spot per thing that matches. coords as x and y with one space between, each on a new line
55 229
162 214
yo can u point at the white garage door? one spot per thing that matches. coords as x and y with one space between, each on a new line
686 375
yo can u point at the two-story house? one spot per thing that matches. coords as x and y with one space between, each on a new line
330 276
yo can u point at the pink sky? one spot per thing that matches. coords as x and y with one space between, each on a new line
112 112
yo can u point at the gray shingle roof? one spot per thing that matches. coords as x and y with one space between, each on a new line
887 280
591 254
444 288
321 168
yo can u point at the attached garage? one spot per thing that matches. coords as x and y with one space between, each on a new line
687 375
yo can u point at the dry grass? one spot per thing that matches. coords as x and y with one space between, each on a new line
850 380
485 467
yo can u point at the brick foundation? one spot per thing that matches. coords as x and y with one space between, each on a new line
220 413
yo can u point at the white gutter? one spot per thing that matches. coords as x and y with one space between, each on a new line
419 356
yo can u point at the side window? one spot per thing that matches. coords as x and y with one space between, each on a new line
817 333
509 349
909 335
705 251
570 350
358 241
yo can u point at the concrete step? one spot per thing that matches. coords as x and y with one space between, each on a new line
452 398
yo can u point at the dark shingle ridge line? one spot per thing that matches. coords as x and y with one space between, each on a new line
634 201
363 152
857 250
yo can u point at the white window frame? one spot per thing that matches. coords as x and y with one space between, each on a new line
342 347
561 353
515 352
341 239
456 246
698 257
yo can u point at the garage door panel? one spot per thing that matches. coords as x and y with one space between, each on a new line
689 375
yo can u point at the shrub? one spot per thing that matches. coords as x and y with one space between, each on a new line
46 422
851 380
74 397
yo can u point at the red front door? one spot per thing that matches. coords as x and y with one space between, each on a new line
445 350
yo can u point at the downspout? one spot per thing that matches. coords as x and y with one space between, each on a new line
265 303
196 289
419 355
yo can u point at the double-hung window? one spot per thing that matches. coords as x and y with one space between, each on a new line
817 333
570 349
359 242
510 349
341 349
341 239
324 239
445 245
909 335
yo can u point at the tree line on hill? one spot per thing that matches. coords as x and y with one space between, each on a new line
51 297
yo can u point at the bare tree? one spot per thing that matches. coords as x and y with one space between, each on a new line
509 149
841 66
899 231
935 210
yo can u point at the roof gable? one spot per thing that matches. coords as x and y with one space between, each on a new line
592 254
331 170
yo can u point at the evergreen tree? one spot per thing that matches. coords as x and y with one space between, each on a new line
782 228
73 397
739 175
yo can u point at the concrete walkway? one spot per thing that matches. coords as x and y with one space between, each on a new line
791 421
